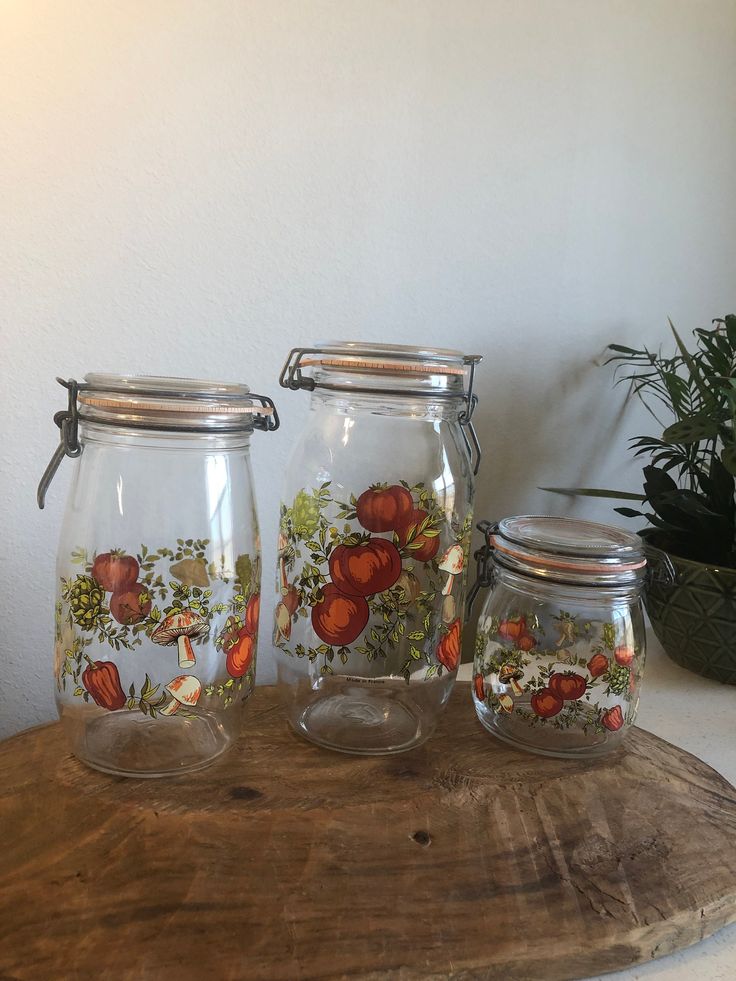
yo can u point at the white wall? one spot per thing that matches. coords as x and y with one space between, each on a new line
194 187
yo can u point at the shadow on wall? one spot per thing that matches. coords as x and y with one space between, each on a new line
564 428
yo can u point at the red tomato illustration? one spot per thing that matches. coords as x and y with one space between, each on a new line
479 688
102 681
545 703
526 642
624 655
568 686
448 649
115 572
337 618
384 508
613 718
422 547
240 655
132 605
512 629
598 665
362 570
252 611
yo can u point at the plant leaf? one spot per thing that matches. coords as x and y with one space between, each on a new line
594 492
695 372
692 429
728 457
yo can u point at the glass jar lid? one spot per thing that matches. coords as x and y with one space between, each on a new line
567 550
177 404
398 369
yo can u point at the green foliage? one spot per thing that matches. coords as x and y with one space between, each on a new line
689 486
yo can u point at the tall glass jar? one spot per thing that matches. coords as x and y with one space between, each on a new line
375 528
560 648
158 572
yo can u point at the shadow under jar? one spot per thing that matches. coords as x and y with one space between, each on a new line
560 647
158 570
374 537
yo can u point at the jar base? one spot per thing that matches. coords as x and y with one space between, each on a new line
360 722
561 745
142 747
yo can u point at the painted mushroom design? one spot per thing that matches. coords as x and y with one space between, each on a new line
184 690
452 563
510 674
177 629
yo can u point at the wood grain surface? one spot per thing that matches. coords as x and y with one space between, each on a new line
463 859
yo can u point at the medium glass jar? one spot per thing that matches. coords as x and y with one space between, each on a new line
158 587
374 537
560 647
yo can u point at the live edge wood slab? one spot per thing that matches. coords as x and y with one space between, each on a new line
463 859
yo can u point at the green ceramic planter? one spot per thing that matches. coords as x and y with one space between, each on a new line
694 617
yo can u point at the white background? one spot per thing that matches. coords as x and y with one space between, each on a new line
195 186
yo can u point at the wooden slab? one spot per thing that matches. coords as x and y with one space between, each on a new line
463 859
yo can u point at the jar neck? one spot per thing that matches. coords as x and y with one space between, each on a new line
564 591
409 406
93 434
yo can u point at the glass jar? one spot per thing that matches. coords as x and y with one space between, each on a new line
375 527
158 571
560 647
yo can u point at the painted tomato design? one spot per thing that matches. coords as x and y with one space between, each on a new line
102 681
337 618
597 665
479 687
613 718
115 572
365 569
422 547
526 642
512 629
448 649
568 686
132 605
240 655
624 655
545 703
383 508
252 611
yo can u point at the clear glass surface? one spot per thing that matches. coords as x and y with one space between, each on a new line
558 668
375 527
158 592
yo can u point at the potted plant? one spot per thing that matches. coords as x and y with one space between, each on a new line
688 496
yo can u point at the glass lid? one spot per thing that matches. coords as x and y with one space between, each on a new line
568 548
159 402
401 358
367 366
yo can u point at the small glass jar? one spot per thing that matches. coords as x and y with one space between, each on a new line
158 587
560 646
374 539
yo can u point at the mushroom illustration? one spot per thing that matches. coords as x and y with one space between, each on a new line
509 674
452 563
177 629
449 608
506 702
184 690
